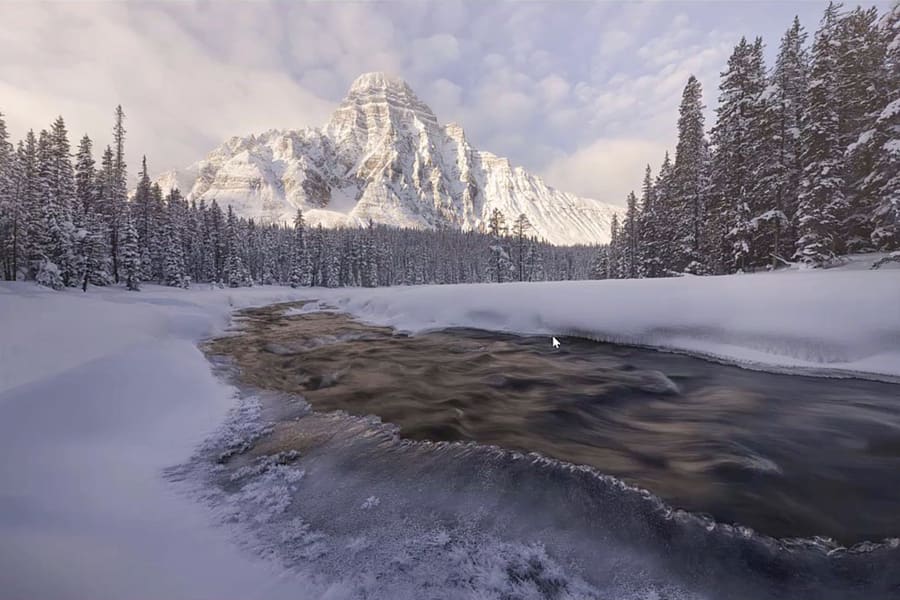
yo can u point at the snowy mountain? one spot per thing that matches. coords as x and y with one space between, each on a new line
384 156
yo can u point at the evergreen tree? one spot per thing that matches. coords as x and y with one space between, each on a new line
739 193
784 104
821 200
883 181
500 263
614 250
117 193
131 261
629 259
859 95
520 230
174 273
650 227
301 271
665 210
10 207
689 182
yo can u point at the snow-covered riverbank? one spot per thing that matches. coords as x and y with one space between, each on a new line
841 322
99 393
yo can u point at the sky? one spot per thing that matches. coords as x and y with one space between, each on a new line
583 93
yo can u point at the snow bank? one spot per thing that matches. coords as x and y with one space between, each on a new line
841 321
99 393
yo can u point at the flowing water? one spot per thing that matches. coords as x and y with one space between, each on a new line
760 468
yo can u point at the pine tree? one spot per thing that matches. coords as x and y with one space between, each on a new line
739 192
665 210
31 201
783 106
860 92
301 271
520 230
10 207
371 257
117 193
500 263
174 273
689 182
650 227
629 259
821 200
131 261
236 272
94 260
614 251
600 263
883 181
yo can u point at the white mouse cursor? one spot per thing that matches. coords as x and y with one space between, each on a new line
555 343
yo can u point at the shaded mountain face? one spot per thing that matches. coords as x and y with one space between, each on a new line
383 156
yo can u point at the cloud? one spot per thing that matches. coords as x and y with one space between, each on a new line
606 169
554 87
179 96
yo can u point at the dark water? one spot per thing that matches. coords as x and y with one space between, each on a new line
789 456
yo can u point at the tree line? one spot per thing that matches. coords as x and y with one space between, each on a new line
68 221
801 165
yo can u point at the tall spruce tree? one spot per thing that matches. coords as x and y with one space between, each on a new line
689 182
860 99
821 200
784 104
740 147
882 184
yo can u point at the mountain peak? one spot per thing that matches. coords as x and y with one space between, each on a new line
383 156
378 80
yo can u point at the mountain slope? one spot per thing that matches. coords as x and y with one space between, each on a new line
383 156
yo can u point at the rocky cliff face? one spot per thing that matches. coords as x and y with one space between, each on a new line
383 156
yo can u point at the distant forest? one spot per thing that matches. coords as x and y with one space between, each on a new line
802 165
71 223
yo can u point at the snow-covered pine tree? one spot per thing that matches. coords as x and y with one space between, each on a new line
689 182
739 194
370 256
783 103
58 186
500 263
821 199
118 192
629 241
860 97
174 273
85 180
520 230
236 272
883 181
31 201
600 263
131 258
10 214
94 256
143 213
665 239
613 258
301 271
649 225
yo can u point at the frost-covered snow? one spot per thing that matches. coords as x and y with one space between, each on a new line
99 393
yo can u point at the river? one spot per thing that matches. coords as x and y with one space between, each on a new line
595 469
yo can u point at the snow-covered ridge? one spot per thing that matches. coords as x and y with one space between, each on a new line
384 156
